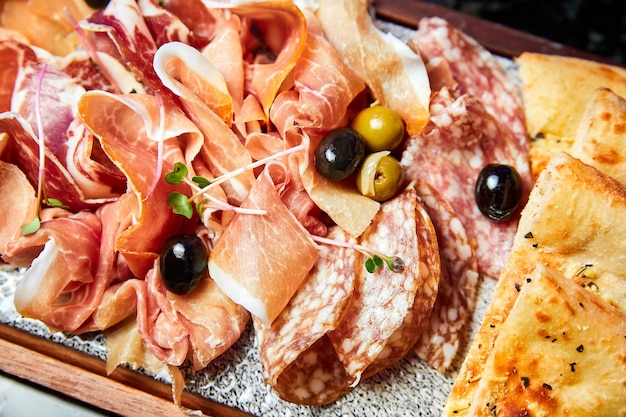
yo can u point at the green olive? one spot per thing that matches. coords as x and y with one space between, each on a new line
380 127
380 176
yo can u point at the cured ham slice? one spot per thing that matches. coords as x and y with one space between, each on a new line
477 72
198 326
456 296
71 264
20 209
225 53
128 37
205 99
324 86
129 129
261 260
22 149
300 330
461 138
395 75
388 309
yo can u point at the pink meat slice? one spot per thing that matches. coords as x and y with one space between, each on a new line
300 329
460 139
371 335
456 297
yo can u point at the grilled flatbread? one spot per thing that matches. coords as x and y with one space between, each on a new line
601 136
552 358
553 117
574 224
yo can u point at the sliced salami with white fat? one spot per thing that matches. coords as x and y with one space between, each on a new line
456 297
476 71
460 139
296 337
375 329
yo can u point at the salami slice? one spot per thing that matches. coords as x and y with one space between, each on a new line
460 139
477 72
297 358
456 297
386 305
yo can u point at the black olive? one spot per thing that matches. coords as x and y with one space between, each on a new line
339 153
97 4
183 263
498 191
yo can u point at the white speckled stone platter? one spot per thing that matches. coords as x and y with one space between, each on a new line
409 388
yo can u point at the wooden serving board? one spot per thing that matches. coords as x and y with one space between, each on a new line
83 377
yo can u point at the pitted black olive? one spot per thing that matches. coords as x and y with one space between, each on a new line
183 263
498 191
339 153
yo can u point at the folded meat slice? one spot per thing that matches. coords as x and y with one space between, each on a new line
18 210
22 149
129 130
198 326
395 75
71 260
299 332
205 98
456 295
388 310
261 259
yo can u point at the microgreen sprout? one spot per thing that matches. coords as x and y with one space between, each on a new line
183 205
375 259
54 202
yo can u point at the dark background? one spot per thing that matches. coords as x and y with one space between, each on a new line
596 26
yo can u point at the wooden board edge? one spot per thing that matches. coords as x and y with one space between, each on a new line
497 38
83 377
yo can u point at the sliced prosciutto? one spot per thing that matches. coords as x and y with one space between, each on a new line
71 259
460 139
129 129
22 149
204 96
18 210
395 75
199 326
261 259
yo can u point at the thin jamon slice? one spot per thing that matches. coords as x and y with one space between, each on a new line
298 332
456 296
71 261
261 259
395 75
18 210
127 127
460 139
477 72
388 309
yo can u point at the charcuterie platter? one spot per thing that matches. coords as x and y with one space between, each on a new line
333 271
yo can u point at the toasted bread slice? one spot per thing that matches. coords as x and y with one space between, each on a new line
601 136
556 92
574 224
551 356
